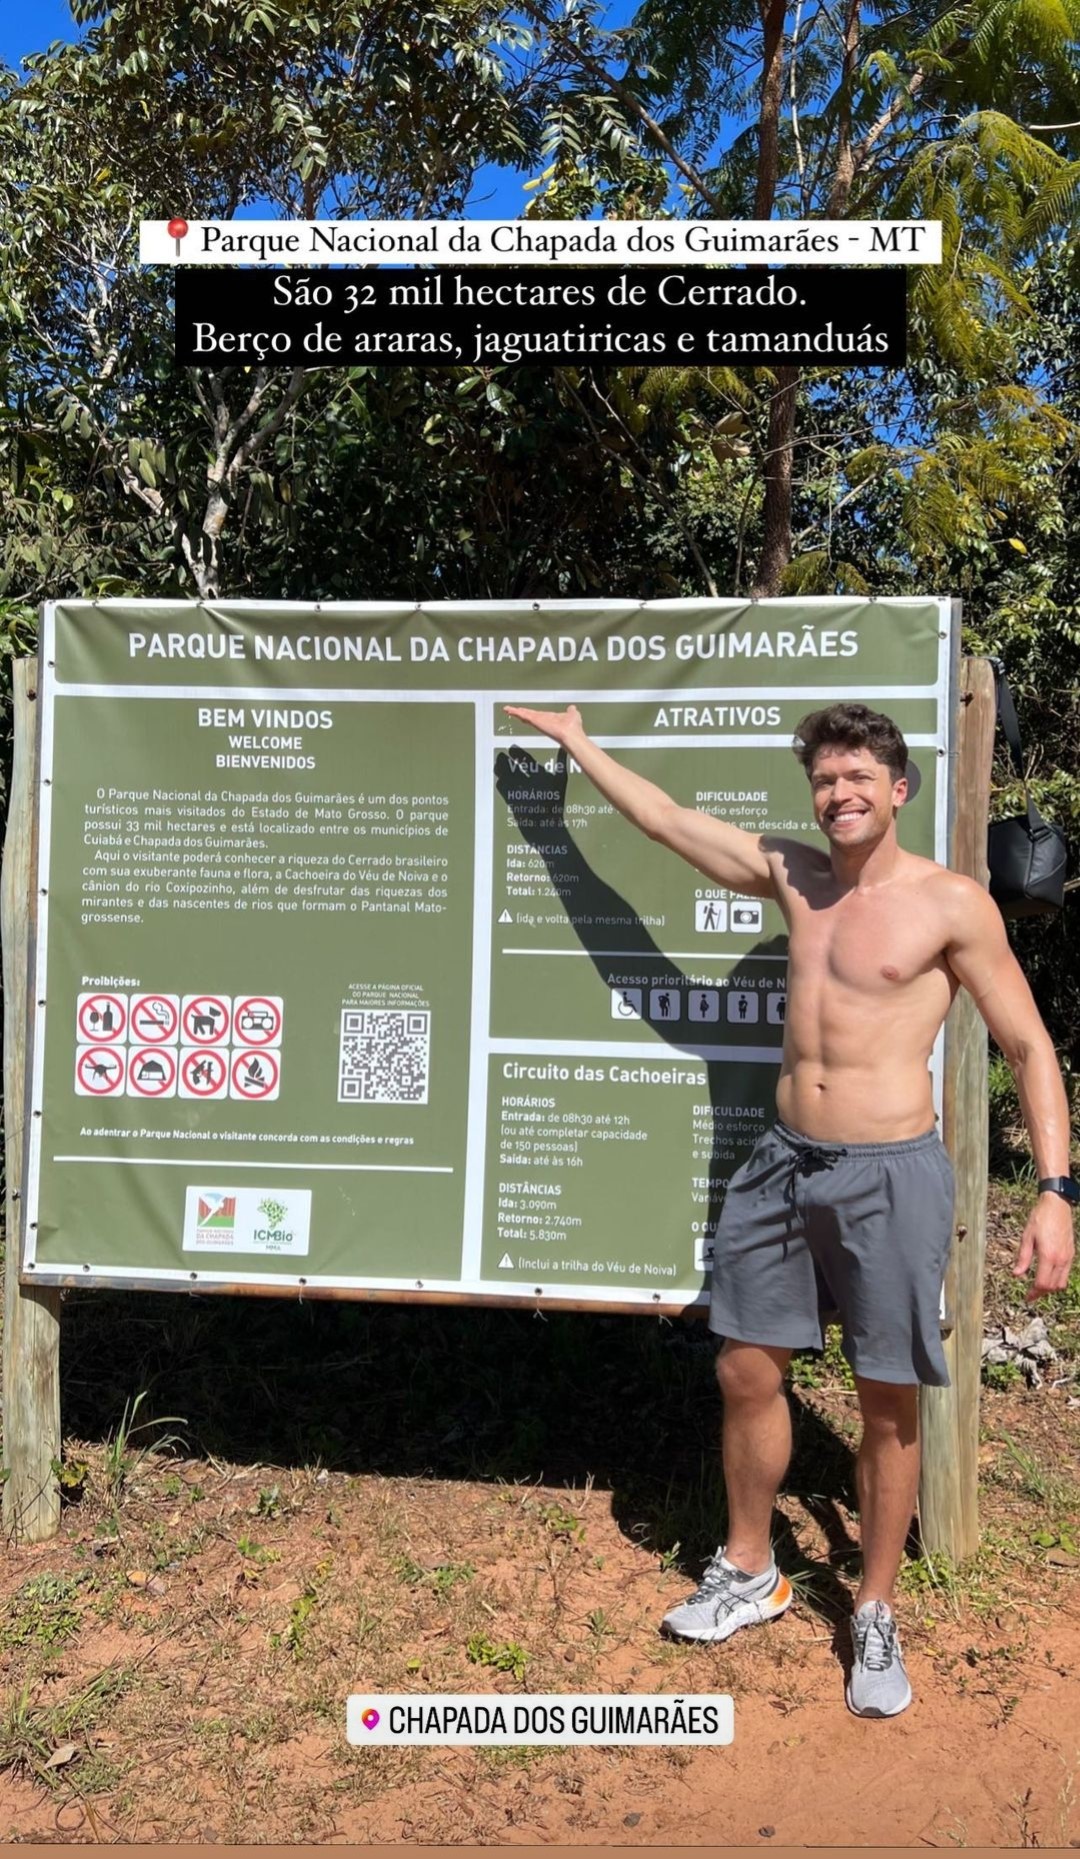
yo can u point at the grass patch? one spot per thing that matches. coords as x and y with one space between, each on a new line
1050 1489
32 1733
929 1575
43 1614
440 1577
1001 1376
123 1457
823 1368
506 1656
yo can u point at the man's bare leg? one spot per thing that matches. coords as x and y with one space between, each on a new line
887 1479
757 1446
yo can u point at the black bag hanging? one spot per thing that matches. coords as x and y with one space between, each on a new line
1027 856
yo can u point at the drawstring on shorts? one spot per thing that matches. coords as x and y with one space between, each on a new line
811 1158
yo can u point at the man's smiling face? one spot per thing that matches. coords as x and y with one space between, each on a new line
855 796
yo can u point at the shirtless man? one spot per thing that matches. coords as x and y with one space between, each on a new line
852 1187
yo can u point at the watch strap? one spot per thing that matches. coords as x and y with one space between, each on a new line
1064 1185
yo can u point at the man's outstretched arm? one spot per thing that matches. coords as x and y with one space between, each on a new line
724 853
979 955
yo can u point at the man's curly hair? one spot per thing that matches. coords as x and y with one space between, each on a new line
851 726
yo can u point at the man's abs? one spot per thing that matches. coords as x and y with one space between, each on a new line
870 1105
859 1032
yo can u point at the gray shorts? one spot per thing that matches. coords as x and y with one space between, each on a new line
861 1228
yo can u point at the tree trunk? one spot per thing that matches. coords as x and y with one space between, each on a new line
776 512
844 172
773 14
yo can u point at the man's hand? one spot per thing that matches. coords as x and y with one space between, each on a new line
563 726
1048 1239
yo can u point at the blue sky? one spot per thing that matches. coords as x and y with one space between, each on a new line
28 26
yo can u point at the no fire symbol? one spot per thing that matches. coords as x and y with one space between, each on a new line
255 1075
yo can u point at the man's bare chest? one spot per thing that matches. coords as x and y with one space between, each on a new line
872 945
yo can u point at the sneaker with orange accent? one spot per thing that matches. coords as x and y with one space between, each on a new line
728 1599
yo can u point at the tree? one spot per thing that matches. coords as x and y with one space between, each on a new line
349 109
865 111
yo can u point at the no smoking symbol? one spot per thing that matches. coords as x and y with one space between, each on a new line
155 1018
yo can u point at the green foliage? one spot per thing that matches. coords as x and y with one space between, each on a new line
120 474
299 1615
254 1553
71 1475
599 1624
1001 1376
815 1368
43 1613
926 1575
505 1657
29 1733
123 1458
441 1577
1063 1538
562 1523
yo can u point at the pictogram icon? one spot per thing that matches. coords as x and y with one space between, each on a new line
254 1075
154 1018
101 1019
151 1071
204 1072
205 1019
99 1071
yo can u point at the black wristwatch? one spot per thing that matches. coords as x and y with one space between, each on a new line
1064 1185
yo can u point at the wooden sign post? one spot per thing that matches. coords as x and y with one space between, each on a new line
31 1499
949 1486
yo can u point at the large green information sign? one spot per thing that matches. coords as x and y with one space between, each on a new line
337 989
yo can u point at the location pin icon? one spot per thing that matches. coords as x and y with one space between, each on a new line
177 229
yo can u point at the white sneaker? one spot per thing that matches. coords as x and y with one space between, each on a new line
728 1599
878 1686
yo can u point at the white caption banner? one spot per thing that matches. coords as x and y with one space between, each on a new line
539 242
490 1721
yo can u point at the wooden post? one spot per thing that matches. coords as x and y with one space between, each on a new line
949 1486
31 1378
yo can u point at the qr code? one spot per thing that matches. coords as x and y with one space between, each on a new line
384 1056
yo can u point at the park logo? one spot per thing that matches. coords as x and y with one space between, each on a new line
267 1220
217 1214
